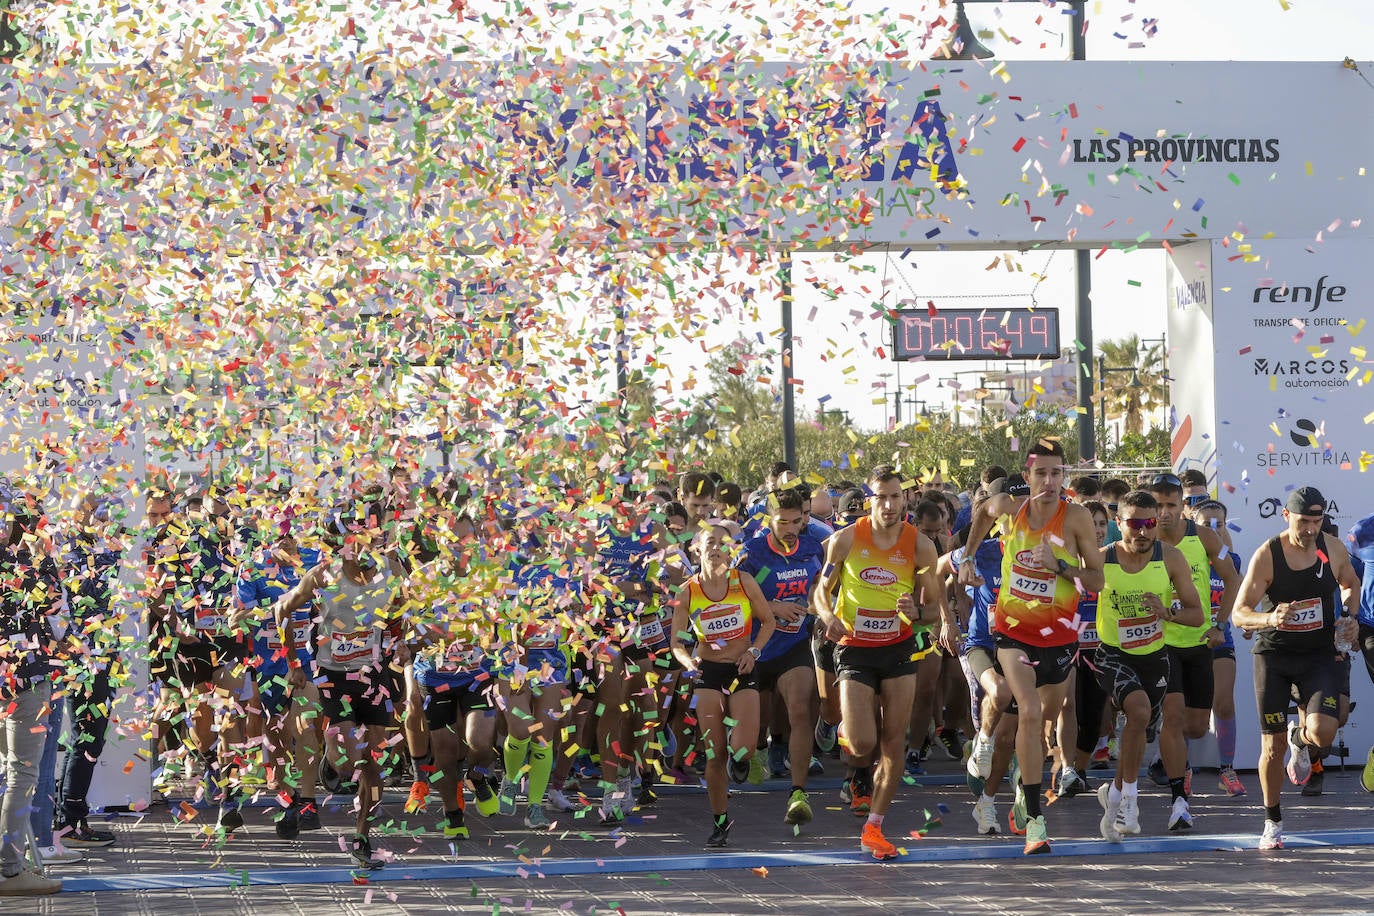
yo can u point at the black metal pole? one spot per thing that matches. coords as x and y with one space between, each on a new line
1087 444
789 416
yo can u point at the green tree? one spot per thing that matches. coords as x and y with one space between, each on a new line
1129 395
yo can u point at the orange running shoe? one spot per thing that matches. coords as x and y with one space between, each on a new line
874 842
419 794
860 804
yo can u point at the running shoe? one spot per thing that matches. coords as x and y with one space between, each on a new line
1128 820
536 819
288 824
484 798
847 787
1037 836
558 800
84 836
230 817
455 825
1299 760
826 735
1272 838
611 813
952 741
777 760
1157 773
940 748
505 798
876 844
646 795
1017 817
914 766
1367 776
720 835
1188 782
28 883
980 758
985 816
419 794
59 855
1101 759
361 849
816 768
1110 814
310 815
739 770
862 801
624 795
798 809
1071 784
1229 782
1180 818
758 770
1313 789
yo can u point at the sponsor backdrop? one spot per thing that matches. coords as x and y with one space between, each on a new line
1293 402
67 428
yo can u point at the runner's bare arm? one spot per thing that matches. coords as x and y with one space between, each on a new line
1258 576
828 586
1190 612
763 612
300 596
682 629
1217 555
980 524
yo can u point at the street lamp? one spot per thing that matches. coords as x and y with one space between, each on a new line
962 43
1102 372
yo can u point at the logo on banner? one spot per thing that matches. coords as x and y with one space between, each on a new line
1311 296
1272 506
1305 373
1303 433
1187 294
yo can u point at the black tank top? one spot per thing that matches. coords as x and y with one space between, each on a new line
1314 590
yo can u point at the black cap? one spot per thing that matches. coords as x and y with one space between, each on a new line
1017 486
849 502
1306 501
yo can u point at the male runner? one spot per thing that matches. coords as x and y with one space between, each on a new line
786 562
1299 571
1147 585
1188 702
878 588
1049 554
1361 540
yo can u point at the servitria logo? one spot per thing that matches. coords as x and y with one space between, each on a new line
1311 450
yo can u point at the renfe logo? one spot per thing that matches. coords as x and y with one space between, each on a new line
1304 294
878 577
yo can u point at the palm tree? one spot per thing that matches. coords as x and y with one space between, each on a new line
1128 395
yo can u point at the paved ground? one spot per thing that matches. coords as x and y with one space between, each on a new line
656 863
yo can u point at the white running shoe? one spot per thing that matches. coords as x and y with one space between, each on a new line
625 798
1111 812
1299 761
1128 818
1180 818
1272 838
59 855
980 758
558 800
985 815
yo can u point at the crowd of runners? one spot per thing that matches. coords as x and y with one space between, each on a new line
560 650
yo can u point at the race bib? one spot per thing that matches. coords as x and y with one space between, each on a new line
1137 633
794 627
352 647
1088 640
542 639
302 637
461 657
722 622
650 632
873 624
211 620
1030 583
1307 616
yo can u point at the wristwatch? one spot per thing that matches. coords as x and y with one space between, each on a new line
756 652
1063 566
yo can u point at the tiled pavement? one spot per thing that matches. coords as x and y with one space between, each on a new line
649 867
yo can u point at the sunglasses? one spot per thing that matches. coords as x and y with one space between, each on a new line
1139 524
1166 480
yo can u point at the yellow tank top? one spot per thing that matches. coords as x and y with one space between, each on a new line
1176 634
723 621
1036 606
1121 620
872 581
